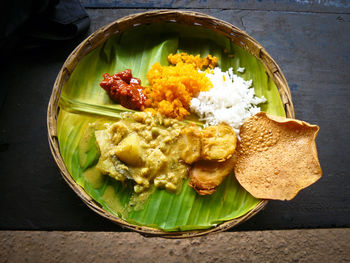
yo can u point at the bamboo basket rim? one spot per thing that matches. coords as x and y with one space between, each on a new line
119 26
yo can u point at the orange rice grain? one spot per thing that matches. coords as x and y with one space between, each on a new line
173 87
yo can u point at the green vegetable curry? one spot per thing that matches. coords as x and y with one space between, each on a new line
144 148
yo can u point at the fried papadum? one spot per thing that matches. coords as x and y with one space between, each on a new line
277 156
206 176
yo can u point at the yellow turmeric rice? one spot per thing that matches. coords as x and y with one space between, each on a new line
173 87
200 63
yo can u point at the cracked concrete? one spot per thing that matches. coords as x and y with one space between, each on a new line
313 245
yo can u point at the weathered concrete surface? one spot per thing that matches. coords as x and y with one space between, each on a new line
314 245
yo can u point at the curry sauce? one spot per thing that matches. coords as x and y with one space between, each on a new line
143 147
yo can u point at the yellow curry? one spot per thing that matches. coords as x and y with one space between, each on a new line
144 148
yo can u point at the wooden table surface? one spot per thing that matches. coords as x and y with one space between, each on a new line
309 39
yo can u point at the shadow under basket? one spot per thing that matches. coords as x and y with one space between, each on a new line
122 25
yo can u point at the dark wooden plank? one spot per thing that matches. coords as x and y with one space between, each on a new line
34 195
313 51
333 6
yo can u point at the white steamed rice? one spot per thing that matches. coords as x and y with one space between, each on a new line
231 100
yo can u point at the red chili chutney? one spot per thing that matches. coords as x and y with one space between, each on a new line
124 89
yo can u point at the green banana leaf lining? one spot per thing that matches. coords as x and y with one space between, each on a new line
83 103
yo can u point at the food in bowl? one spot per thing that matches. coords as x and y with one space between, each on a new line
83 105
151 149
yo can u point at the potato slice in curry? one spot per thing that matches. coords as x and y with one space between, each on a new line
190 144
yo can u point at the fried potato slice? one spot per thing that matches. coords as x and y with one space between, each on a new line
206 176
190 144
218 142
277 156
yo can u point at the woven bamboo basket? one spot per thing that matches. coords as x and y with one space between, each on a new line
238 36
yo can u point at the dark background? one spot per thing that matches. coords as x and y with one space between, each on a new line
310 40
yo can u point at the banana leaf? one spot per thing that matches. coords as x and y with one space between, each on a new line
84 103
